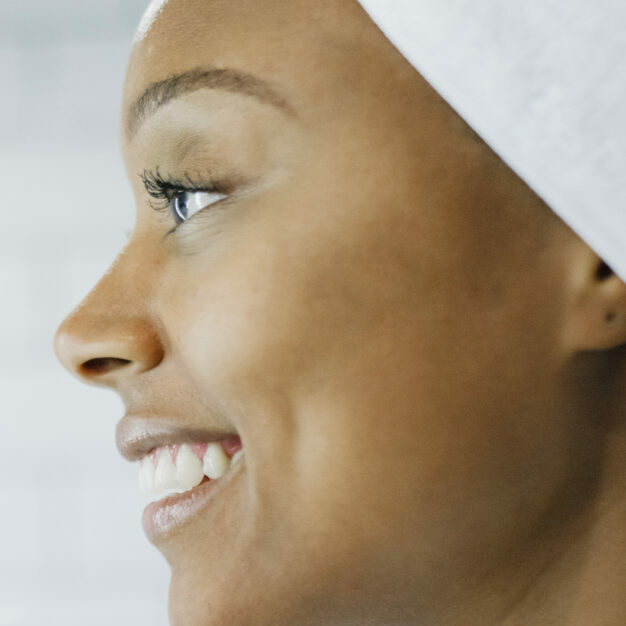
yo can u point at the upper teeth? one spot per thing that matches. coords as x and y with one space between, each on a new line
188 471
215 461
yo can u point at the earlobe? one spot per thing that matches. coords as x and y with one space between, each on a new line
598 318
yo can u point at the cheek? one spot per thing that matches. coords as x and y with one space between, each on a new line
384 404
234 328
343 338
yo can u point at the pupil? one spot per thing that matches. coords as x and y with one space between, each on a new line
180 206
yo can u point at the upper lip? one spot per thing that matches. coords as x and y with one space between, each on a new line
136 435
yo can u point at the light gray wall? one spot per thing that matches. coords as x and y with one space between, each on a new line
71 547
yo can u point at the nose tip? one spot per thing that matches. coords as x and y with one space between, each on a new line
99 350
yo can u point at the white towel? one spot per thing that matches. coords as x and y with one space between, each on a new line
544 84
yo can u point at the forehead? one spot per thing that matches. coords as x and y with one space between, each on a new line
266 37
148 18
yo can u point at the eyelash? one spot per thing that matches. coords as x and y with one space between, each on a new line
163 187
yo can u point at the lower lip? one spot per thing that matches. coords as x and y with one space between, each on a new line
164 516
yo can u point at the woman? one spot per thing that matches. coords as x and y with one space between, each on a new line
417 365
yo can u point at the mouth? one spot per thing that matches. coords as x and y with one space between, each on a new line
179 480
180 470
174 469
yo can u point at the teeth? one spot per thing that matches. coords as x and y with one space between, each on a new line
236 457
165 474
146 476
216 462
189 471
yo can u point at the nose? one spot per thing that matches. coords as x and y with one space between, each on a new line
110 335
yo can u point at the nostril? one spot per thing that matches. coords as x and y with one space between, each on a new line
102 366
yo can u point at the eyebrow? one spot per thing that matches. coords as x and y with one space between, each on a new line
159 93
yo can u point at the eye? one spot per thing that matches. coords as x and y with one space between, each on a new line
181 197
184 204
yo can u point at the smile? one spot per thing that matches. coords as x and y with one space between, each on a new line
181 479
181 469
173 469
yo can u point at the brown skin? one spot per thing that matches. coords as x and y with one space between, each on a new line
424 368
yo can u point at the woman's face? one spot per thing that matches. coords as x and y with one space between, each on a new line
362 300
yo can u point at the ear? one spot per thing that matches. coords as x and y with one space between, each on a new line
598 316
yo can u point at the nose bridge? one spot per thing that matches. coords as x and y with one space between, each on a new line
112 331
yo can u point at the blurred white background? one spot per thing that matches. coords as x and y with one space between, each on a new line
72 551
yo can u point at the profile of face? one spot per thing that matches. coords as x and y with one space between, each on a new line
329 265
